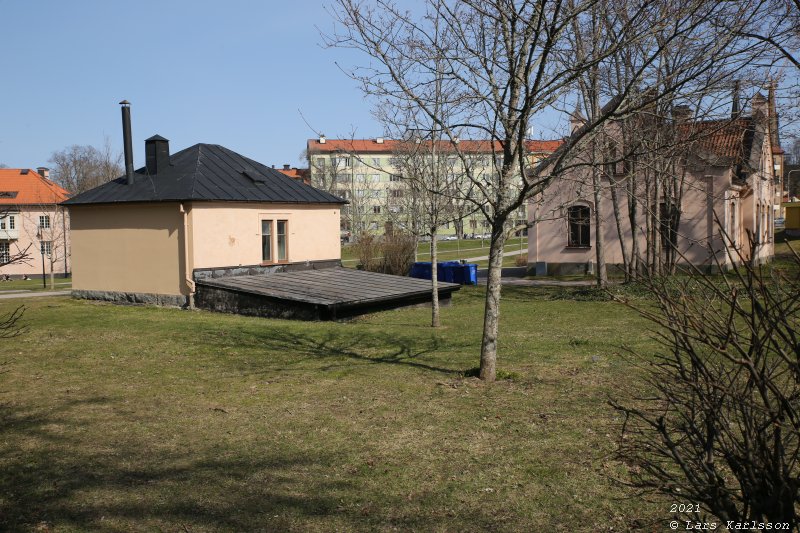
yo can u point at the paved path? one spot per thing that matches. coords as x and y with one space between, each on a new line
486 257
4 295
542 282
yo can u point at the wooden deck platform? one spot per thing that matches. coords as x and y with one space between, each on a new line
324 294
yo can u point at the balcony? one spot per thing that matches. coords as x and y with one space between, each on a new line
9 234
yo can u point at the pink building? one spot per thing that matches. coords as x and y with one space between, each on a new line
32 224
721 192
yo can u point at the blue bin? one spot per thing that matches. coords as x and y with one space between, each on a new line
469 274
447 271
421 270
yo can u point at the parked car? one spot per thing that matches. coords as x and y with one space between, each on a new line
780 223
449 238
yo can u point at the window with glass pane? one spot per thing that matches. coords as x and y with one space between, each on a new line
11 222
281 240
266 240
46 248
579 226
44 221
5 253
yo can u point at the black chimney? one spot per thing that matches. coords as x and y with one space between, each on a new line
126 139
156 154
735 108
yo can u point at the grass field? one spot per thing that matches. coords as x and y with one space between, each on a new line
34 284
139 418
452 251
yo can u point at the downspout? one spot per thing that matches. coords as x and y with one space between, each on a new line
187 271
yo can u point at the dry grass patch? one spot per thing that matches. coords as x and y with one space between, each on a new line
130 418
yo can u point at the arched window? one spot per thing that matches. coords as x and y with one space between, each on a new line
579 226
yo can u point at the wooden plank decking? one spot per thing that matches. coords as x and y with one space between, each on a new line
331 288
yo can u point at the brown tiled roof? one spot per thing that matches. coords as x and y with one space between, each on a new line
722 138
300 174
388 146
23 186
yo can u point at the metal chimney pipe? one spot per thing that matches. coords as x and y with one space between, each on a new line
735 107
126 139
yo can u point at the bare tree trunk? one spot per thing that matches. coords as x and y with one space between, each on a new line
52 275
434 281
599 238
633 216
491 316
626 263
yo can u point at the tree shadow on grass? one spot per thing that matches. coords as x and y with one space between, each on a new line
52 479
368 348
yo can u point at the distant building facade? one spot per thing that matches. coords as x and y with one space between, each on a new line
726 184
300 174
33 226
366 173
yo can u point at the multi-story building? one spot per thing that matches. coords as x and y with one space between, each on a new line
34 229
366 173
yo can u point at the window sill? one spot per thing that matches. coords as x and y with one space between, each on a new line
577 247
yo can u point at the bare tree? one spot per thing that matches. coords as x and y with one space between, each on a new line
432 179
505 61
10 322
719 425
51 222
80 168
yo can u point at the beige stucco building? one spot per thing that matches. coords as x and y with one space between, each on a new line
34 229
203 211
699 204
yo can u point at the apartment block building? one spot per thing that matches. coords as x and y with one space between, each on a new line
366 172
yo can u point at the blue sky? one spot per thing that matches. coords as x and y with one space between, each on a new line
236 73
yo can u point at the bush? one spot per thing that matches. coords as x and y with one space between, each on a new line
399 250
367 250
719 423
390 254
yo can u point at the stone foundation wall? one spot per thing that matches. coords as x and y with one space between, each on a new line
242 303
166 300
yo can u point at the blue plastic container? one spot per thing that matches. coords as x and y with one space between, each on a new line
421 270
469 274
447 271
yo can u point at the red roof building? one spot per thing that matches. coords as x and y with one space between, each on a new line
34 228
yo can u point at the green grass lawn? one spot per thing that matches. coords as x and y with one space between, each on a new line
451 250
120 418
34 284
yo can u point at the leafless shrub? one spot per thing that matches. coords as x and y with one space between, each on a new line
398 252
367 250
719 423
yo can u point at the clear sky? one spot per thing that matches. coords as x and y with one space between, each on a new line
235 72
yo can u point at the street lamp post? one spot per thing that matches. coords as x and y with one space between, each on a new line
41 251
44 274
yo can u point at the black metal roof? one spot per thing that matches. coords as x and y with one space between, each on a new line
207 172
